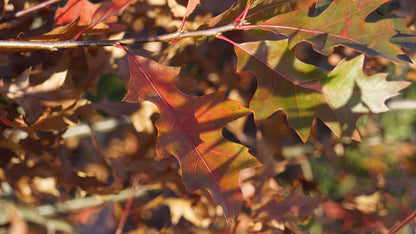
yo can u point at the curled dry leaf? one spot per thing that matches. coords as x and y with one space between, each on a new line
34 99
296 205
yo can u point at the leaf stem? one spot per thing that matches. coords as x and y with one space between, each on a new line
243 14
55 45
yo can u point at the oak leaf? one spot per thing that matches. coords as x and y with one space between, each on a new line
305 92
343 22
189 128
258 12
295 205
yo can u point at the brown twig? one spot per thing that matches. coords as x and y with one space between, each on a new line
126 211
28 10
55 45
404 222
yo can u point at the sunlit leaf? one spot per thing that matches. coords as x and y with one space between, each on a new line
305 92
189 128
343 22
74 9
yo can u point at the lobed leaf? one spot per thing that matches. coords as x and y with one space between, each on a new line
259 11
341 23
189 128
305 92
405 36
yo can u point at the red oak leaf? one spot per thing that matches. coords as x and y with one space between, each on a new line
190 128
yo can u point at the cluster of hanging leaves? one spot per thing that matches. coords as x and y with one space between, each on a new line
202 124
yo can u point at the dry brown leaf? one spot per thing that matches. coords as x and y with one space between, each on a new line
177 9
183 208
35 98
296 204
141 119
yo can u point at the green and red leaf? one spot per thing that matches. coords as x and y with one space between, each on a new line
258 11
343 22
306 92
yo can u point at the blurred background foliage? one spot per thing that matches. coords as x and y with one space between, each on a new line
78 179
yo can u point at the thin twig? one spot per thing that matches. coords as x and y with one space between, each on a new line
126 211
409 104
55 45
90 201
404 222
28 10
43 215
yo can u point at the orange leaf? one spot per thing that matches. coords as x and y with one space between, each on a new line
74 9
191 6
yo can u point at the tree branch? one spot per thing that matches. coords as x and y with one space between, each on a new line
43 214
55 45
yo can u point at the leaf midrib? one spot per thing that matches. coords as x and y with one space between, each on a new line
176 119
